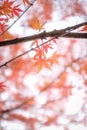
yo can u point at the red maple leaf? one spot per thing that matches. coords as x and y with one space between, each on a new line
84 28
2 87
16 10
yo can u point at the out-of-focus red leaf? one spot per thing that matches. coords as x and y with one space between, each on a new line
4 19
84 28
2 27
66 91
2 87
26 2
50 120
73 41
54 58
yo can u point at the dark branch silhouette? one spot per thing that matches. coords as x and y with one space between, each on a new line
55 33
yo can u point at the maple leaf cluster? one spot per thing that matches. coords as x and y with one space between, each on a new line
40 58
8 10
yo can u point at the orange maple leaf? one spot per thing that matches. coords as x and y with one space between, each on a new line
54 58
6 8
40 61
35 23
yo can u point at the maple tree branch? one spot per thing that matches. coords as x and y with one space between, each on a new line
62 32
55 33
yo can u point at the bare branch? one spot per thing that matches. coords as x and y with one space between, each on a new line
55 33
